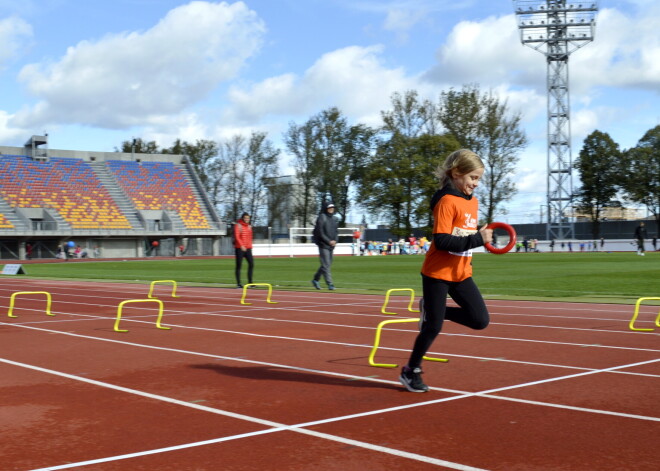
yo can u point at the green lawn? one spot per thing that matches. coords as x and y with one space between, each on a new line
606 277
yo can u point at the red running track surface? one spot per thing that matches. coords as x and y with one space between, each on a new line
547 386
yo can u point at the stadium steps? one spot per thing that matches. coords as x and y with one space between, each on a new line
116 193
62 224
198 195
9 214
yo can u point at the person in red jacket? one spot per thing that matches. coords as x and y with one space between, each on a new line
243 247
447 267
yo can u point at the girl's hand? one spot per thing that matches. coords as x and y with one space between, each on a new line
486 234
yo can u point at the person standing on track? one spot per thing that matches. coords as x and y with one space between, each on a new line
325 237
243 247
640 235
447 267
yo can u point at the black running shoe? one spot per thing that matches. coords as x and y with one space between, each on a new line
412 380
316 284
422 313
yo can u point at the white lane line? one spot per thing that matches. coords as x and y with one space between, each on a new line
367 378
276 427
300 428
345 344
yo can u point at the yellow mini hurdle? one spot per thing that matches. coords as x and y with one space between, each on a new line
13 298
270 292
153 283
160 312
636 313
387 298
377 342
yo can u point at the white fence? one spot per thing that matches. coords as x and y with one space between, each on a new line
309 249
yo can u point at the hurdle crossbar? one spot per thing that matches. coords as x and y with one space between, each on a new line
377 342
638 304
270 292
387 298
49 301
128 301
153 283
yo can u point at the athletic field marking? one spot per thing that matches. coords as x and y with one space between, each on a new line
343 344
367 378
276 427
300 428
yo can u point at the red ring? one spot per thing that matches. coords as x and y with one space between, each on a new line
512 237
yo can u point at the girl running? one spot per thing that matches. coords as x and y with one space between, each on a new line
447 267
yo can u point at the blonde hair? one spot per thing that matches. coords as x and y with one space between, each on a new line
463 161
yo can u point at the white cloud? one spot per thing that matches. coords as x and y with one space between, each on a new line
14 36
354 79
134 78
625 53
486 52
7 133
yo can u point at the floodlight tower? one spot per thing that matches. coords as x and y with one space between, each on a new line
556 28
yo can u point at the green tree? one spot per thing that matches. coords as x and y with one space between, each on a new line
329 156
259 165
138 146
300 142
598 164
641 173
399 182
341 155
201 156
484 124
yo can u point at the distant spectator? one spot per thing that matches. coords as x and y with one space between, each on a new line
640 235
325 237
243 247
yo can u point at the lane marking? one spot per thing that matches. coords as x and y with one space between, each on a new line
368 378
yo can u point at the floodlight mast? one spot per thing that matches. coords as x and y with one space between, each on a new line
557 28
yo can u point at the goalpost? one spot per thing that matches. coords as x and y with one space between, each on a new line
300 240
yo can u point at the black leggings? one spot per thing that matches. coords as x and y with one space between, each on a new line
239 261
472 312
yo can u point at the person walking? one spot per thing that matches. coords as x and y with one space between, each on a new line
640 235
447 267
325 237
243 247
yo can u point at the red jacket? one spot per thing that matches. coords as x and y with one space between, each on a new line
242 235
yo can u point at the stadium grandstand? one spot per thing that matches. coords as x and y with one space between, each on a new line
56 203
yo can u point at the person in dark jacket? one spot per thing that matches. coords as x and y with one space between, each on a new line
640 235
325 237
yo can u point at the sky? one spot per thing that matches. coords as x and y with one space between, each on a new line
93 74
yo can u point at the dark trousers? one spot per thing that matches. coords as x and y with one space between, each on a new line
239 261
325 254
472 311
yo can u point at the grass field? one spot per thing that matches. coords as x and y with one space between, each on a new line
588 277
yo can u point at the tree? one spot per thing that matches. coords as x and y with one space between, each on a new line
329 156
138 146
201 156
485 125
341 155
641 173
399 182
259 165
599 174
230 157
300 141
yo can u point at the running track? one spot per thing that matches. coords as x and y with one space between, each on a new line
548 386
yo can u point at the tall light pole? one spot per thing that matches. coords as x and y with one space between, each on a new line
557 28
